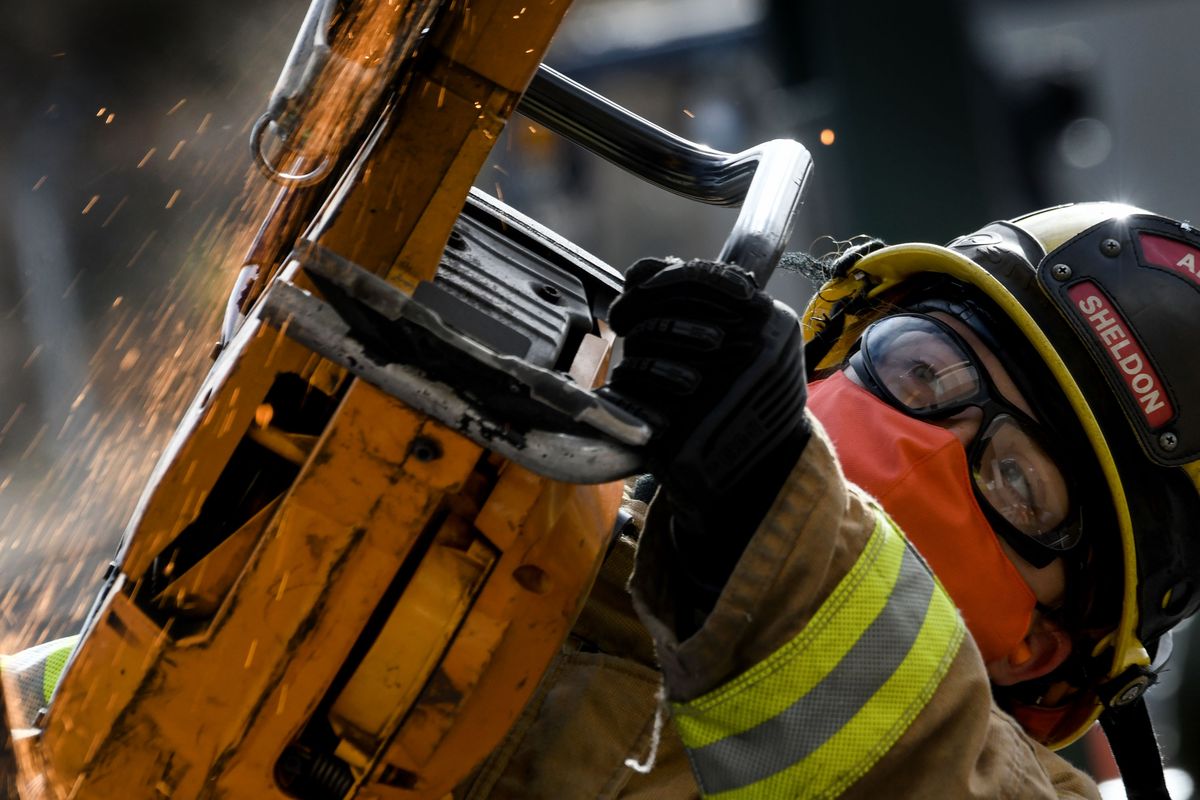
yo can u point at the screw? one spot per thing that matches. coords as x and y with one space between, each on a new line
1110 248
1168 441
425 449
1060 272
548 293
1133 692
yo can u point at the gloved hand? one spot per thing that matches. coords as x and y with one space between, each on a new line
717 368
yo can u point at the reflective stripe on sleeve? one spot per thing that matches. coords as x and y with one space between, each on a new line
36 673
815 715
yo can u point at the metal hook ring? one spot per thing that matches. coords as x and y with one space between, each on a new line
257 134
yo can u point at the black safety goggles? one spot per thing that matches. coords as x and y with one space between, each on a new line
923 367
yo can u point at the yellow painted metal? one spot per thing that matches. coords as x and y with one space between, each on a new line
203 444
409 597
412 641
535 592
209 713
393 211
200 590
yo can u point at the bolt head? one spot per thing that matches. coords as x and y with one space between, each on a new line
425 449
1110 247
1168 441
1131 691
1129 695
1060 272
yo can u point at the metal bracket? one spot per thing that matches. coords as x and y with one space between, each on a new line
569 457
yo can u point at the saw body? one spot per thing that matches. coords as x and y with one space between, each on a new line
356 582
381 514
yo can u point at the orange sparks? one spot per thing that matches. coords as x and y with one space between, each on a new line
828 136
95 199
263 415
37 439
174 197
108 120
39 183
177 106
178 147
146 157
204 124
113 213
689 114
117 301
141 249
8 425
100 113
250 655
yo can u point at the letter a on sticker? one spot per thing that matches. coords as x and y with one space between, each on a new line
1180 257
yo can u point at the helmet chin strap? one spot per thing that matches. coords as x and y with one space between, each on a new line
1135 748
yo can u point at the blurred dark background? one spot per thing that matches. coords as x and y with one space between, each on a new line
124 172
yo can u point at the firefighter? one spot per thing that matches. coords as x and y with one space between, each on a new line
1006 416
971 545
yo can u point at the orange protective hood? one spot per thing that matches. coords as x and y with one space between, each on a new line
919 474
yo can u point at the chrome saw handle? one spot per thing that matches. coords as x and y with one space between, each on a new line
768 180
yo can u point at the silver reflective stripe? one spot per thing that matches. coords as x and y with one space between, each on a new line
793 734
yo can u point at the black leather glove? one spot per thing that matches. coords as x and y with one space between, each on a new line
717 368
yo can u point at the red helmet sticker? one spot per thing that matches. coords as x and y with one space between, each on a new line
1171 254
1114 336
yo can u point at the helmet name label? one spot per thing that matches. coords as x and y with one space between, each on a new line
1159 251
1113 335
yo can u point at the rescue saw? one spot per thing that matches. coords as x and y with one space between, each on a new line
382 511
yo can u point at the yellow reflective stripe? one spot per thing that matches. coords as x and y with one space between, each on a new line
783 676
831 730
55 661
36 672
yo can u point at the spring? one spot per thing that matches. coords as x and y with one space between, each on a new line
330 774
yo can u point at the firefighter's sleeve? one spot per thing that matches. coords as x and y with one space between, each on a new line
834 664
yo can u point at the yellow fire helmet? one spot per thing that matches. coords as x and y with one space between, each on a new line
1099 298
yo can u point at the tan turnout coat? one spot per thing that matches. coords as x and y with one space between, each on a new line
596 708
